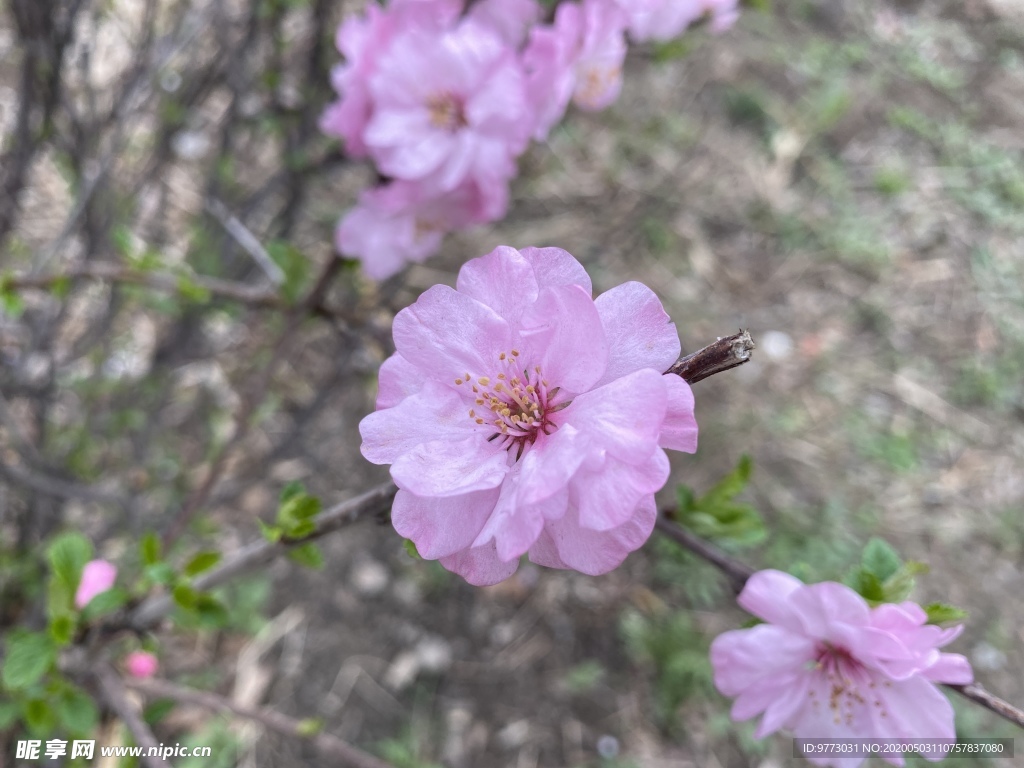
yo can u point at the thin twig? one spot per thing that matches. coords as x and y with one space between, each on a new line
726 353
376 501
114 692
738 572
330 746
245 238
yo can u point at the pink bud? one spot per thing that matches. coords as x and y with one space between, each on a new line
141 664
97 576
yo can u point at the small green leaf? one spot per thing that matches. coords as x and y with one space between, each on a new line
105 603
67 554
880 559
9 712
185 596
149 548
39 717
291 490
294 264
867 585
944 614
898 587
29 657
210 611
61 286
158 710
193 291
159 573
77 712
271 533
410 547
311 726
62 628
308 555
203 561
11 303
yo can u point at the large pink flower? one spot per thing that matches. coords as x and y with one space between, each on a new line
666 19
520 415
97 576
827 666
448 105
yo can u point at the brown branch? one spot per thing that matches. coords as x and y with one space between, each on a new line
376 501
738 572
976 692
113 689
330 746
726 353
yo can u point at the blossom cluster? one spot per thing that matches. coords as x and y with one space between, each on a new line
520 415
826 665
444 98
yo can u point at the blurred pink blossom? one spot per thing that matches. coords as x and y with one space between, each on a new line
511 19
141 664
97 576
448 106
665 19
826 665
401 222
520 415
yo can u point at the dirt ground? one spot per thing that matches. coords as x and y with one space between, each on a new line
846 181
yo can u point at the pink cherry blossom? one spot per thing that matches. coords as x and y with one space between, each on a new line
519 414
97 576
448 106
826 665
401 222
141 664
511 19
665 19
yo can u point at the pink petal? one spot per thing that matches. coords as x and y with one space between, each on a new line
679 430
742 657
623 417
767 594
445 526
503 280
435 414
548 465
515 525
450 469
141 664
822 607
639 331
480 566
914 709
450 334
595 552
564 335
398 380
97 576
950 668
553 266
606 498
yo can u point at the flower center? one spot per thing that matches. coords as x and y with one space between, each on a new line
517 402
848 684
447 111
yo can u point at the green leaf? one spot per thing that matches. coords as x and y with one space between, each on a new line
291 490
898 587
210 611
149 548
62 628
61 286
944 614
9 712
105 603
29 657
880 559
311 726
185 596
67 554
158 710
203 561
410 547
717 516
867 585
11 303
39 717
77 712
308 555
159 573
732 484
193 291
271 533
